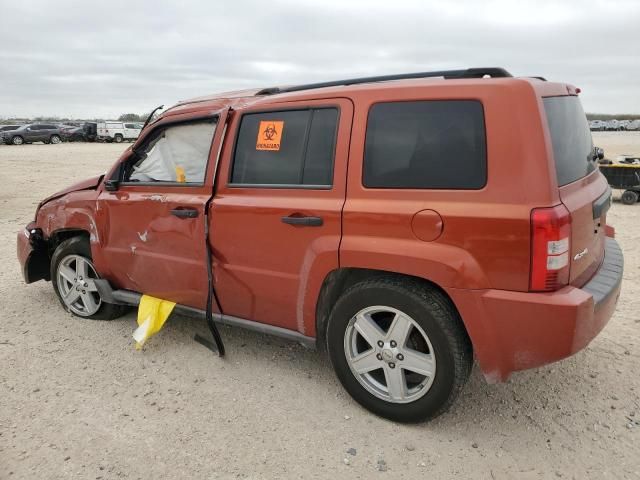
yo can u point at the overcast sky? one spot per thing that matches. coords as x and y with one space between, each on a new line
101 59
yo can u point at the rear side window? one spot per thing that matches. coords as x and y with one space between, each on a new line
427 144
571 138
286 148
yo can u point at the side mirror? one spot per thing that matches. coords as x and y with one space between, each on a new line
599 153
111 185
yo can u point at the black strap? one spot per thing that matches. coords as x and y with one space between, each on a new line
211 295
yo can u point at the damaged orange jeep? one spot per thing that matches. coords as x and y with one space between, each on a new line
408 224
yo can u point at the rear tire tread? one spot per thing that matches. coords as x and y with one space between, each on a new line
446 316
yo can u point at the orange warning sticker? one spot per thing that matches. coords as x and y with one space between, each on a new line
269 135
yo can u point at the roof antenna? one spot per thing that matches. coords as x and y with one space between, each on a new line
151 116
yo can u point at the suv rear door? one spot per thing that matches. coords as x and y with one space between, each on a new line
583 190
276 216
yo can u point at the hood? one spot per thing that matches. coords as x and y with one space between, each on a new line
88 184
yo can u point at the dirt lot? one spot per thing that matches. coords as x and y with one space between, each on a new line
78 401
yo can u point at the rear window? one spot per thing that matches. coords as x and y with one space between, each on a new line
427 144
571 138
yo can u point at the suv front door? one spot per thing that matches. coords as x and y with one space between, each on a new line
152 227
276 215
34 133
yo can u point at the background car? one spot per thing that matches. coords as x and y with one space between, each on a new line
35 132
612 125
597 125
7 128
112 131
634 125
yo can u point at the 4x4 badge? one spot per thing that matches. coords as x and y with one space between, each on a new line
578 256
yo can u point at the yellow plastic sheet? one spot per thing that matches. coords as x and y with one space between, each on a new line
152 313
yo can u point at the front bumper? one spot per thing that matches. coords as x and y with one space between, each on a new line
33 254
514 331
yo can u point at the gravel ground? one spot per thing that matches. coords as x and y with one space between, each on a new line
78 401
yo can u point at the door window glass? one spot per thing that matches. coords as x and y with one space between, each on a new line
177 153
288 148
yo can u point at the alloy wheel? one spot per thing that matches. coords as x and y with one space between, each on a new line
75 280
390 354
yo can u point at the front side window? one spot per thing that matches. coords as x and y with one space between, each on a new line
434 144
176 154
286 148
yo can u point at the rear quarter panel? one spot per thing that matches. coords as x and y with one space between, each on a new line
485 241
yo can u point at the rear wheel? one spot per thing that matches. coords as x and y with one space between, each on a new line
17 140
55 139
629 197
73 275
399 348
118 138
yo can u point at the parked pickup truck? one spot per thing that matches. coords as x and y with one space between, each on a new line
118 132
407 224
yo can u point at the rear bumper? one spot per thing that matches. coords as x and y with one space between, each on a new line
514 331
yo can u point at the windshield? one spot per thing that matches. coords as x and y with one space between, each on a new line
571 138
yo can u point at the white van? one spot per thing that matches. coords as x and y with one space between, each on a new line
118 131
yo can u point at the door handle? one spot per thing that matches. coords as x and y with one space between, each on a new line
303 221
185 212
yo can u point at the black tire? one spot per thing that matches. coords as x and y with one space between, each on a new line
80 246
118 138
55 139
439 320
629 197
17 140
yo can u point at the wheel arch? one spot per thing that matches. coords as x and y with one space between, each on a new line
62 234
38 264
339 280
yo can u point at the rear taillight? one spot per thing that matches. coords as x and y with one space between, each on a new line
550 234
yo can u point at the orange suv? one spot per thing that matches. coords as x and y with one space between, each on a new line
407 223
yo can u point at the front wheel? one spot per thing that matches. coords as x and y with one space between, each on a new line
73 275
399 348
17 140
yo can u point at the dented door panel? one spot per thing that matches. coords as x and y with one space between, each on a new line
150 250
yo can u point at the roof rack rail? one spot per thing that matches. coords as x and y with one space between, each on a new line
447 74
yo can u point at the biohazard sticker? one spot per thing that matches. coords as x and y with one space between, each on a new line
269 135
